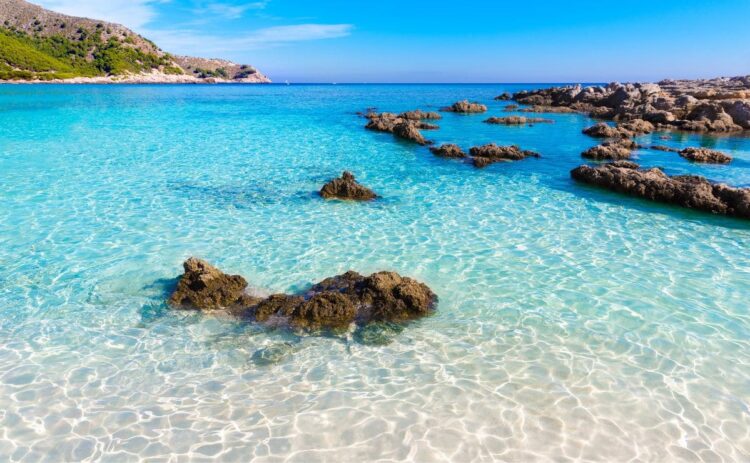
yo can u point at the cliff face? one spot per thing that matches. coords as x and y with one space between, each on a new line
39 44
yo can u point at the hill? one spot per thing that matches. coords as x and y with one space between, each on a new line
37 44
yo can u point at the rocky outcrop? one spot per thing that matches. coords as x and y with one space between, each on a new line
205 287
517 120
482 156
622 130
653 184
705 155
346 187
504 97
612 150
407 129
466 107
547 109
335 302
448 151
714 105
418 115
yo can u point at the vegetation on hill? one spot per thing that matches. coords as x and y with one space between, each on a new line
87 54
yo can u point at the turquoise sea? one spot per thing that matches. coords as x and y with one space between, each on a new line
573 325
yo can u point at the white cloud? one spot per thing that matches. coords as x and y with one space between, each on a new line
230 11
131 13
194 43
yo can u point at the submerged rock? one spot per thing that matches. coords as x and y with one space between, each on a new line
610 150
511 107
492 153
335 302
705 155
653 184
517 120
466 107
205 287
346 187
664 148
448 151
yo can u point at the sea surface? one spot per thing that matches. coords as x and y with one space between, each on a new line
574 324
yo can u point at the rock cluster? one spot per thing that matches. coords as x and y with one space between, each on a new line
517 120
418 115
653 184
335 302
448 151
407 129
705 155
621 130
716 105
346 187
466 107
482 156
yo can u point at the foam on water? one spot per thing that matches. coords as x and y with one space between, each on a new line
573 324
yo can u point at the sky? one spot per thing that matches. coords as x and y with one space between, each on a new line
446 41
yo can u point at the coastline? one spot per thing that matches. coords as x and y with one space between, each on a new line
146 78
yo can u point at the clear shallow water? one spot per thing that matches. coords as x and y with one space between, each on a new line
574 324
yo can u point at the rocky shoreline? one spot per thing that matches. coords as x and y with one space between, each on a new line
146 78
709 105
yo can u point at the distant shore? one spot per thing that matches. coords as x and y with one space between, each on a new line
149 78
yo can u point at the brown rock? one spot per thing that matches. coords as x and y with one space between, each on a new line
604 130
653 184
504 97
418 115
517 120
637 126
408 131
347 187
705 155
448 151
204 287
610 150
278 305
328 309
466 107
492 153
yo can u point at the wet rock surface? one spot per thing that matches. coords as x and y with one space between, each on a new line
335 302
482 156
418 115
612 150
653 184
448 151
466 107
204 287
346 187
407 129
709 105
705 155
518 120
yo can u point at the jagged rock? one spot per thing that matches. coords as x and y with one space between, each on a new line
383 122
418 115
492 153
739 111
448 151
664 148
716 105
426 126
517 120
637 126
504 97
346 187
408 131
604 130
705 155
653 184
610 150
205 287
335 302
466 107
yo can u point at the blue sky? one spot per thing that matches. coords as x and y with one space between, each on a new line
442 41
